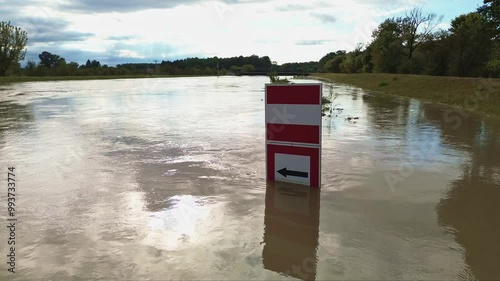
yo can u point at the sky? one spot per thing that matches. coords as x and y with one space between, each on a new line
128 31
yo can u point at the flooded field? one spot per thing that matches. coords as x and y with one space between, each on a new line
156 179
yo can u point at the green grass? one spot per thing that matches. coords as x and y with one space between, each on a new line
19 79
475 94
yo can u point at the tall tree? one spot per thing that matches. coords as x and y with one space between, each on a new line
13 42
435 54
96 63
328 57
416 27
47 59
491 10
387 50
472 43
334 65
353 62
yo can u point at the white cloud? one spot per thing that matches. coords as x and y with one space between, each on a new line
129 54
285 30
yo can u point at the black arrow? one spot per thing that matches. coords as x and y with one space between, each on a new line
284 172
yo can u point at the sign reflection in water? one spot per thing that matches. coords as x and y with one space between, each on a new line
291 230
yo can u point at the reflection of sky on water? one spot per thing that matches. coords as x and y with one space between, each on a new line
180 222
142 179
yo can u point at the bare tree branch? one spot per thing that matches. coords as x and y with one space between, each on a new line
417 27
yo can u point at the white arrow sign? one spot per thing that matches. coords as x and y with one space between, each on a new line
292 168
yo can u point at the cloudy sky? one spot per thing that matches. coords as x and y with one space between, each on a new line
119 31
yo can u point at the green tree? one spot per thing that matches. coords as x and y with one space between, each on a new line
328 57
334 65
367 60
491 10
72 68
95 63
248 68
353 62
435 54
61 62
235 68
30 68
387 50
13 42
47 59
60 68
493 64
472 44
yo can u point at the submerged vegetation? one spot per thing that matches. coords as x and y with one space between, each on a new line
276 80
327 102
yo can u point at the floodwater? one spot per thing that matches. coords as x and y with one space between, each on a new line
160 179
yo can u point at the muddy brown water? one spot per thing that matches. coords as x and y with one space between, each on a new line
160 179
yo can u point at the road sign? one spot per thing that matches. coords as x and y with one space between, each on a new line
295 164
293 133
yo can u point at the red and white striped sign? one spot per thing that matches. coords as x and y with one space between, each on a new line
293 133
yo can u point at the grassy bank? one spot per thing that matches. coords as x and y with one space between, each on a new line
475 94
18 79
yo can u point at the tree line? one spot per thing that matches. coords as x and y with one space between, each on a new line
410 44
54 65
